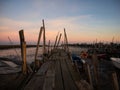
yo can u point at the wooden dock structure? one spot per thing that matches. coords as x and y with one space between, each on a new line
58 73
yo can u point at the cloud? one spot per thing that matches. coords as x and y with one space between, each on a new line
77 27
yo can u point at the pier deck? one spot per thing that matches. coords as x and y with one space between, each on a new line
57 73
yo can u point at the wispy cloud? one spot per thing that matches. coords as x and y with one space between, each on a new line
78 29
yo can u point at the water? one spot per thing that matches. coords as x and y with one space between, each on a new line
11 54
30 52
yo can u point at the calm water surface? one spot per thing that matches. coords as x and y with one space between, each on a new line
11 53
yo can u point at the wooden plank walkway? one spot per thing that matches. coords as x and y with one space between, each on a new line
55 74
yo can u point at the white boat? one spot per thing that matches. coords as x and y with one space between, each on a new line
116 62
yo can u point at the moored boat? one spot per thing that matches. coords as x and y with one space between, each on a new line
116 62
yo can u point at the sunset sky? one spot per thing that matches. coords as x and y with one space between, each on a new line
84 20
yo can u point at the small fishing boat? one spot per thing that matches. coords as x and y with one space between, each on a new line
116 62
78 60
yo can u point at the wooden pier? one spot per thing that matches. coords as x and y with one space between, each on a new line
57 73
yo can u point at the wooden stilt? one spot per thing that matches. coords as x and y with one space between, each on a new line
115 81
21 35
56 40
66 41
44 38
59 40
48 46
95 64
89 74
37 63
24 66
62 45
23 51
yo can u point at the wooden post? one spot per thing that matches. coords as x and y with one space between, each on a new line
62 45
87 69
56 40
44 38
66 41
95 64
23 51
24 66
59 40
37 63
21 35
115 81
48 46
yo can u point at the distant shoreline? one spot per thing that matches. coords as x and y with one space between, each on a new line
2 47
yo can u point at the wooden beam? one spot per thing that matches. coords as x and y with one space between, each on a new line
23 51
48 46
59 40
37 63
66 41
115 81
24 66
21 35
96 73
56 40
89 74
44 38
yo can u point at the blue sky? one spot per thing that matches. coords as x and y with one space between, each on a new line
84 20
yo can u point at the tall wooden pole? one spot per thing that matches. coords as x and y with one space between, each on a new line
23 51
59 40
21 35
48 46
44 38
66 41
24 66
37 64
95 69
56 40
89 74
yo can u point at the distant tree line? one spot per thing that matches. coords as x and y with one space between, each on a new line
97 45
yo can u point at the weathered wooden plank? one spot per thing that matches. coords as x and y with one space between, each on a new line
74 73
37 82
49 78
69 83
43 69
58 77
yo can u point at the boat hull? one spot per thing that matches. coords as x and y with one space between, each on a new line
116 62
